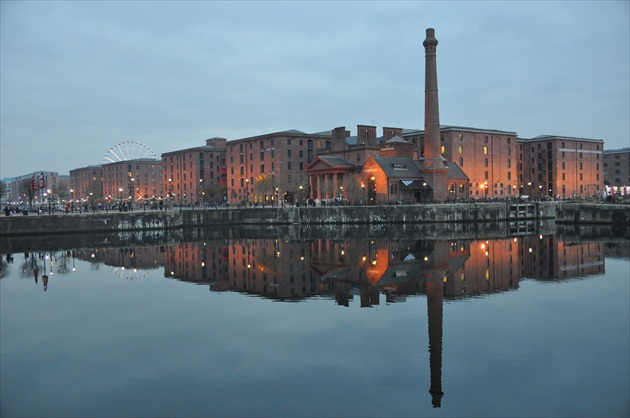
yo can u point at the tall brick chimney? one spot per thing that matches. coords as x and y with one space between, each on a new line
434 169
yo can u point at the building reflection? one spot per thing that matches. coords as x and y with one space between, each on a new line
340 270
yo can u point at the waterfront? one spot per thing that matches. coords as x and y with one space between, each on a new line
534 325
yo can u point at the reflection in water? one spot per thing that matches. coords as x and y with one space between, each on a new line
293 270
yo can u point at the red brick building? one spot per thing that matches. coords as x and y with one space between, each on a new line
86 182
269 169
561 167
195 175
132 180
487 156
617 169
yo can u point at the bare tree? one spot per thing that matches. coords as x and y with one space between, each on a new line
3 190
25 189
62 189
264 185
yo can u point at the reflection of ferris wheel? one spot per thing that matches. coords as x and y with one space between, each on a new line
126 151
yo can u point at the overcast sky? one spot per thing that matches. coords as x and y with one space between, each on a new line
77 78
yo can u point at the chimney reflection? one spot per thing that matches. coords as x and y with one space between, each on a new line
372 269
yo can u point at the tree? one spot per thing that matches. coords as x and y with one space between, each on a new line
3 190
62 189
25 189
264 185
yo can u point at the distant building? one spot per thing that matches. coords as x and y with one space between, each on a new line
23 193
7 197
562 167
86 184
196 174
133 180
617 169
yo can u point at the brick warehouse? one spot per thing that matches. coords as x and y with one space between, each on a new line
617 169
194 175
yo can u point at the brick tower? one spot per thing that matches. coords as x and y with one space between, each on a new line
434 169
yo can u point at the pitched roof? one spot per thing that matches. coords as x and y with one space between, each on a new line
398 167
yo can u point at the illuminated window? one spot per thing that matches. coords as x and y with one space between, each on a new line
485 150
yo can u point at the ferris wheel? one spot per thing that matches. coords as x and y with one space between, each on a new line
126 151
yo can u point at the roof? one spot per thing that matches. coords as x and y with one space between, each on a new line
616 151
458 128
329 162
558 137
398 167
397 140
455 172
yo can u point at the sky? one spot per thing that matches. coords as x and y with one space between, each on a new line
78 78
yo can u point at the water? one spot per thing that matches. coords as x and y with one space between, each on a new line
527 326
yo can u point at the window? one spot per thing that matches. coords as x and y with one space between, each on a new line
288 142
358 157
301 154
289 152
461 161
262 168
563 177
289 165
485 175
485 150
461 149
485 162
262 155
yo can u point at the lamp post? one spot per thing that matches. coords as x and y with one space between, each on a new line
363 193
120 195
49 202
202 194
170 191
276 197
300 196
247 191
71 200
529 187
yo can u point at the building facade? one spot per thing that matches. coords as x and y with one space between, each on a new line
561 167
136 181
487 156
86 184
269 169
196 175
617 169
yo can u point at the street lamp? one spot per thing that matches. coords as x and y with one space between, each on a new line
71 200
300 196
49 202
363 193
202 193
170 191
276 197
247 191
120 194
